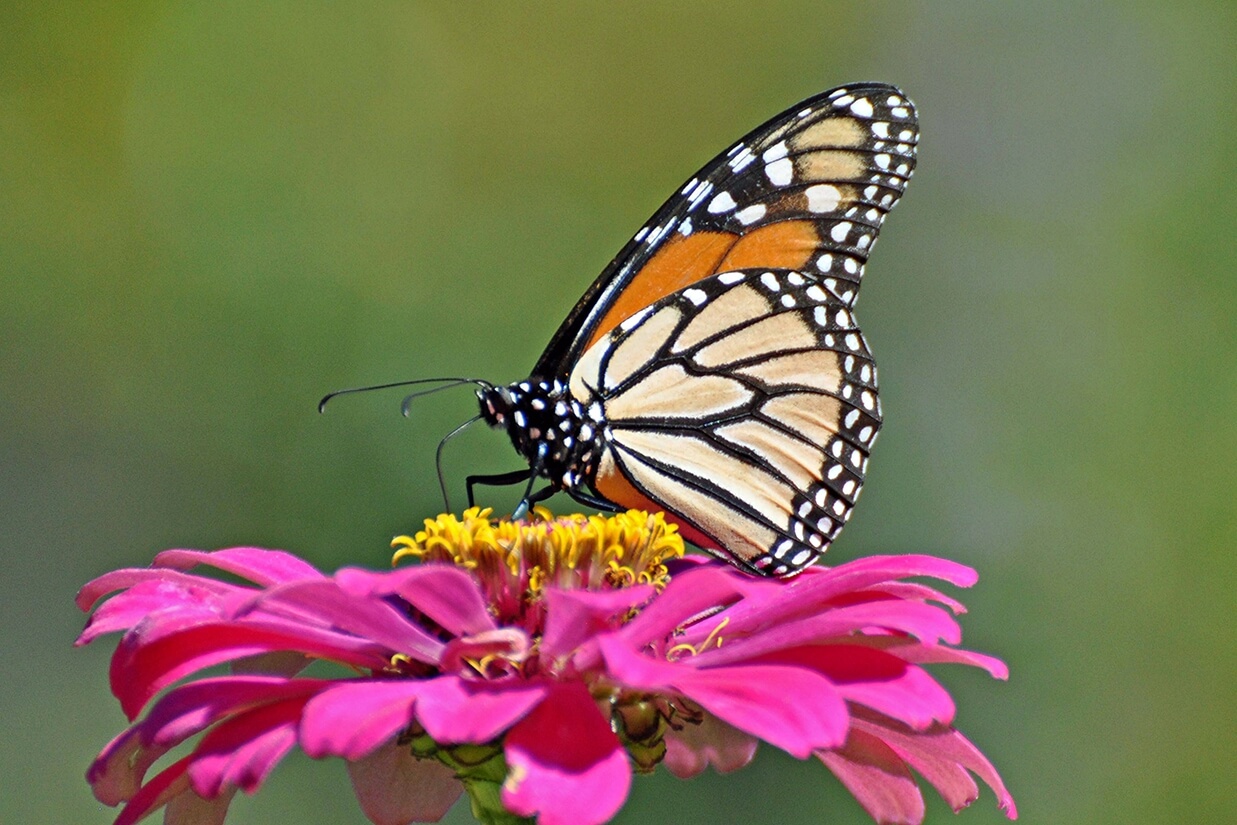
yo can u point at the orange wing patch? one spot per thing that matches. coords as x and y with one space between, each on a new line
782 245
681 262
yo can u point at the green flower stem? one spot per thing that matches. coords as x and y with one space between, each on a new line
482 770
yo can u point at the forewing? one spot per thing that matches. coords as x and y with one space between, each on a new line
806 191
745 406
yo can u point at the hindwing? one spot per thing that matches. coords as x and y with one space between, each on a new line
744 406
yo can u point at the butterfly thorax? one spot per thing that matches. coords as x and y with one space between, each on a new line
543 416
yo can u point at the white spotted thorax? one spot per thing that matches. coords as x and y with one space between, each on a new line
740 396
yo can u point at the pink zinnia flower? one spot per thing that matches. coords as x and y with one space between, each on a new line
534 665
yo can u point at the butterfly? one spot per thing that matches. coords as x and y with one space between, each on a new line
715 370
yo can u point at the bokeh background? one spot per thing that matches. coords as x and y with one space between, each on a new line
213 213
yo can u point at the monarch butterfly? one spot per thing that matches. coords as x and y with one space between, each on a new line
714 370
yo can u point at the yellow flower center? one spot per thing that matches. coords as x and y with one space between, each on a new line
516 560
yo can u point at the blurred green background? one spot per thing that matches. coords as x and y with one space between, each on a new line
213 213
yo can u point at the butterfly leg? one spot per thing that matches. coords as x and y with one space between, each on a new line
496 480
534 470
593 501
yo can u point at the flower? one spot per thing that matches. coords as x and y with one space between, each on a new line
533 665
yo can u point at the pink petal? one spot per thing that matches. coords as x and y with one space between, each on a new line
575 616
395 788
877 680
167 785
793 708
355 718
455 710
566 767
117 772
193 707
140 670
262 567
445 593
159 588
509 644
712 742
704 588
325 602
818 586
878 779
944 756
925 622
190 809
242 751
935 654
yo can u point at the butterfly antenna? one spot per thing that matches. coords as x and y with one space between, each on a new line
405 406
450 382
442 482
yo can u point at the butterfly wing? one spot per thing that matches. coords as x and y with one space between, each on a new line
806 191
745 407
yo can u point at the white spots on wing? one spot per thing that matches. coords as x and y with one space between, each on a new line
901 111
862 107
882 160
865 374
696 296
742 159
893 100
844 100
722 202
840 231
850 265
801 558
852 342
825 262
821 315
795 279
822 197
867 400
635 320
685 228
698 193
834 472
775 152
852 418
842 318
788 301
839 507
780 172
863 241
849 487
750 214
881 130
836 93
865 434
644 230
730 278
816 293
770 281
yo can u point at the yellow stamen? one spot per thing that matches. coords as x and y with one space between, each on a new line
714 637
